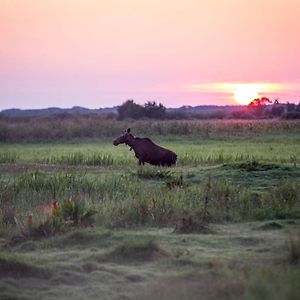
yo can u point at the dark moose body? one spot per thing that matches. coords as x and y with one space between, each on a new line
146 151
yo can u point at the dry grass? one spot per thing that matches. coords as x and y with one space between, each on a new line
43 129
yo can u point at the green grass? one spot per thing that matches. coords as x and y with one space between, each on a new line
191 151
8 157
247 182
243 182
158 196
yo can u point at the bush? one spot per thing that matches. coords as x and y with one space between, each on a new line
291 115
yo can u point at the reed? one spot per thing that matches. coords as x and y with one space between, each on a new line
78 127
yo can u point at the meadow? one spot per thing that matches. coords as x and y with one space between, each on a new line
221 224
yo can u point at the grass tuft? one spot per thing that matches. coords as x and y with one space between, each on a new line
11 267
152 173
138 251
270 226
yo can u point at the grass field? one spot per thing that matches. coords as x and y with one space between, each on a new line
239 189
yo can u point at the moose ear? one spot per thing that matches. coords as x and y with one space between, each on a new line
128 130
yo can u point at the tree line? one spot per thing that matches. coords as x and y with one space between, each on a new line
257 109
260 108
264 107
150 109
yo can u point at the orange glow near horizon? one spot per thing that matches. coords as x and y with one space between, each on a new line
244 93
241 93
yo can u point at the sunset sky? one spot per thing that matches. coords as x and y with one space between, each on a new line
98 53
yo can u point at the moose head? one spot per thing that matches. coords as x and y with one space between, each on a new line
126 138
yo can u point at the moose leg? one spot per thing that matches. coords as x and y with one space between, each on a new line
141 162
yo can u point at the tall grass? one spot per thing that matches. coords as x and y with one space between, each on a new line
125 200
8 158
45 129
80 158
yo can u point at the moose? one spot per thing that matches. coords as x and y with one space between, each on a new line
146 151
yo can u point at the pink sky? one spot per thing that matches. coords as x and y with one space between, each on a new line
98 53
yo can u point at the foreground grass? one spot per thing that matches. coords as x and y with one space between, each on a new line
243 261
153 196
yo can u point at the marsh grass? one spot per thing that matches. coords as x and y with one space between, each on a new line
124 201
80 158
43 129
278 283
77 211
68 215
191 151
227 172
8 158
153 173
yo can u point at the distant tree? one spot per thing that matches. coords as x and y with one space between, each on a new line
258 106
151 109
154 111
292 111
277 109
130 109
260 101
290 107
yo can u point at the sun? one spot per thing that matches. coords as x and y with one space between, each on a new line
245 93
240 92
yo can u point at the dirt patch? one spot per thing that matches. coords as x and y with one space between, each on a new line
17 269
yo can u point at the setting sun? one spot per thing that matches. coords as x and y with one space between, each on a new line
240 93
245 93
